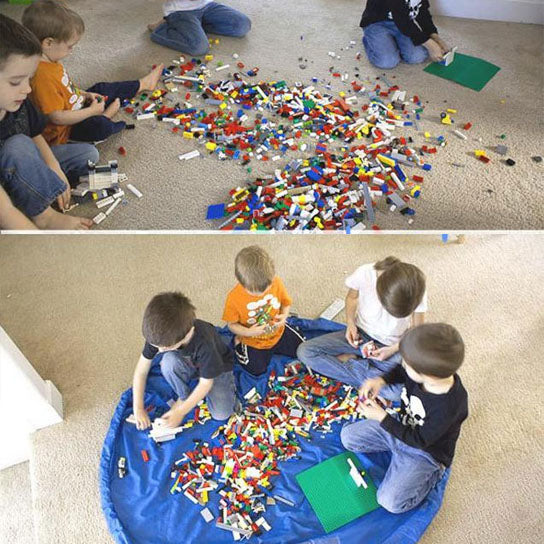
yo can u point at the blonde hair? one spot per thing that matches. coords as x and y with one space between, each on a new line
52 19
254 269
400 286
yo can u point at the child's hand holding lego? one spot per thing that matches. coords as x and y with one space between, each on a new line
434 49
372 410
63 200
142 419
280 319
352 335
96 107
173 417
258 330
443 45
383 353
371 388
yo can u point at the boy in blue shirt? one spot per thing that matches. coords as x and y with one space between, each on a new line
396 30
434 405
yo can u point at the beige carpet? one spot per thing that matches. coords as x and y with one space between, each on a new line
74 305
16 517
477 196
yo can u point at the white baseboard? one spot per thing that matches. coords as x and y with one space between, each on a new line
515 11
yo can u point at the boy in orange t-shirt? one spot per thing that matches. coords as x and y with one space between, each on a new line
74 114
256 311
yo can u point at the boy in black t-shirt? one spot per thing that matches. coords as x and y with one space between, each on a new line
32 174
396 30
192 349
434 405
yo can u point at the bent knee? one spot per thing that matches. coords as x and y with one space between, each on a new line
242 27
197 47
346 437
18 141
220 415
385 63
416 57
394 504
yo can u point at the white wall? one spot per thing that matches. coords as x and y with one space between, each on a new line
27 403
518 11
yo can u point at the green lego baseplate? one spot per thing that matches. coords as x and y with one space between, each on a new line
332 493
468 71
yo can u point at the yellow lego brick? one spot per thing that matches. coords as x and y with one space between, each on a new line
386 160
342 94
204 497
208 57
479 152
240 220
210 146
306 162
357 161
427 134
450 110
188 135
222 106
446 120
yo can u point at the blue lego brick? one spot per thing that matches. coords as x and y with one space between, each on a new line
215 211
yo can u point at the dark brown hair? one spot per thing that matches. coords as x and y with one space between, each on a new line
52 19
15 39
400 286
254 269
167 319
433 349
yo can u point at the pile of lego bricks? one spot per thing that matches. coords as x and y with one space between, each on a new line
331 190
243 457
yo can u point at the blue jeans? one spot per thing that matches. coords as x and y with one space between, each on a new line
100 127
386 45
178 371
320 354
29 182
185 31
412 473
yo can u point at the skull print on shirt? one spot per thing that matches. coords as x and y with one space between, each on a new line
413 6
414 412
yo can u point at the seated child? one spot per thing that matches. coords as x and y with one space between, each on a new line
186 23
85 116
33 175
384 299
400 29
191 349
256 311
422 437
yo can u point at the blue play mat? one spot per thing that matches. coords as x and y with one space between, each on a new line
139 508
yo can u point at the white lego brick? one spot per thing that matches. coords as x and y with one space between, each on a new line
99 218
207 515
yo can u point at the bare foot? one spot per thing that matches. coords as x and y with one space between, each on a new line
52 220
152 26
150 81
113 108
